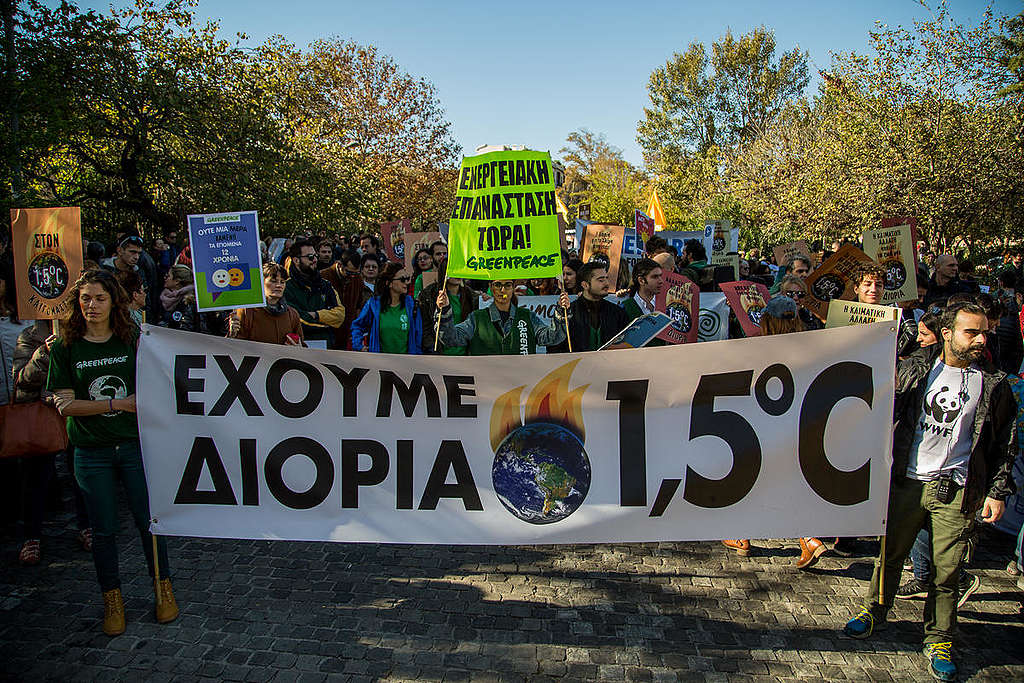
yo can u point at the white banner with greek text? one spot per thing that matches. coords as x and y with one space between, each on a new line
769 437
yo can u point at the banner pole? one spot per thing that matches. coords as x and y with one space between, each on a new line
565 316
437 325
156 570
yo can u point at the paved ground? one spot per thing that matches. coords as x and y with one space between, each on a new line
319 611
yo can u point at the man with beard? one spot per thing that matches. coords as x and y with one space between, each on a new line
953 450
592 320
312 296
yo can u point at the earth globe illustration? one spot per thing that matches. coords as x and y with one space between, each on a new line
541 473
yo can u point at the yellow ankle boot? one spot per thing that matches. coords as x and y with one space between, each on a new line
113 612
166 607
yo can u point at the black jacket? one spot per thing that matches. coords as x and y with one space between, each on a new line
994 439
940 293
611 320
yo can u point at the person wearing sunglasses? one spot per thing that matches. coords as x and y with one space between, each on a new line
312 296
503 328
795 288
390 322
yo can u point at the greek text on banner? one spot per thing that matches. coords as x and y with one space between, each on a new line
504 224
758 437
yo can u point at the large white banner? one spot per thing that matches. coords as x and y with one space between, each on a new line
780 436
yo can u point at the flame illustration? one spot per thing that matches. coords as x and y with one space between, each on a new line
505 416
550 401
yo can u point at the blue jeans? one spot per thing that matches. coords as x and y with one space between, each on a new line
97 471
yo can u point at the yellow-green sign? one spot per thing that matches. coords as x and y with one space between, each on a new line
505 222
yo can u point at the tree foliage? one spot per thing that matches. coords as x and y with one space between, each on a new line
598 175
143 115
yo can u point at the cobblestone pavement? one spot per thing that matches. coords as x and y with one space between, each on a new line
283 611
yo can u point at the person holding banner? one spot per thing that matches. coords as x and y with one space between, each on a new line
438 255
275 323
311 295
503 328
953 452
390 321
646 285
92 374
593 321
463 302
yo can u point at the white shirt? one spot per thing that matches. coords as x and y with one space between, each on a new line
942 437
644 306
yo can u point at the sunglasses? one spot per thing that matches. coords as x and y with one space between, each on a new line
131 240
310 257
795 295
404 278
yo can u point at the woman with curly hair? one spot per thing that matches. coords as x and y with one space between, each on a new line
92 374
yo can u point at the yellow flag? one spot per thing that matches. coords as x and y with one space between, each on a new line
654 210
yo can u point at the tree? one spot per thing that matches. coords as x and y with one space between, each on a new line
597 174
391 122
704 107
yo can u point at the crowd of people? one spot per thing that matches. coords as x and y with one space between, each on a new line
342 292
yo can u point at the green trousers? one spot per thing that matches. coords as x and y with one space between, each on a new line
913 506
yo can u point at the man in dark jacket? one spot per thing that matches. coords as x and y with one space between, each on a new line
312 296
946 281
592 320
953 450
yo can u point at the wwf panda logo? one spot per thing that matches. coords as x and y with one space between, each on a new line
943 405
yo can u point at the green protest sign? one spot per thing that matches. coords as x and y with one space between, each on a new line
505 222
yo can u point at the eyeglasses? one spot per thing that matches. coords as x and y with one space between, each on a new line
795 294
404 278
501 285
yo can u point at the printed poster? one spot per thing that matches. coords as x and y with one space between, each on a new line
414 241
604 243
639 333
504 225
747 301
47 250
714 317
893 249
644 224
226 260
842 313
831 280
721 239
784 251
393 235
679 298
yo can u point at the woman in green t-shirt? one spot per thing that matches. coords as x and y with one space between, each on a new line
92 374
390 321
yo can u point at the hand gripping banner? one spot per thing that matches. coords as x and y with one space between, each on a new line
780 436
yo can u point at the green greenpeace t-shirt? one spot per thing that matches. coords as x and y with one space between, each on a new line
96 372
394 329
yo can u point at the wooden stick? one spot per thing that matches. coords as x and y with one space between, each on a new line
881 572
156 570
437 325
565 317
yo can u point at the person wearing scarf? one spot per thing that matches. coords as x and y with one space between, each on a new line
275 323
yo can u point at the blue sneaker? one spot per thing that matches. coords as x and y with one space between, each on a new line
863 625
941 661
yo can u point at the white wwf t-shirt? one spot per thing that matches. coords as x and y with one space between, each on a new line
942 438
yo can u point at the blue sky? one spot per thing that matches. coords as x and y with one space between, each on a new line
531 72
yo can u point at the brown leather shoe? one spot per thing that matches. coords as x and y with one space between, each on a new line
113 612
741 546
810 550
166 607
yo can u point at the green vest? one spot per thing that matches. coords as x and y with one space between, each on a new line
519 340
